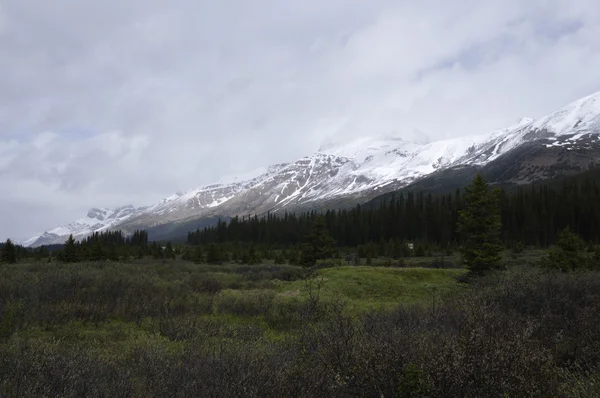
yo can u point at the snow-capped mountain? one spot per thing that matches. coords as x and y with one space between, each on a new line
96 220
357 171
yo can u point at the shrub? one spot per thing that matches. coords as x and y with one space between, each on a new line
205 284
568 254
250 304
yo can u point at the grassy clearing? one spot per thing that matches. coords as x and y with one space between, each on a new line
378 287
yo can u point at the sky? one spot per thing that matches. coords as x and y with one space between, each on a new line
121 102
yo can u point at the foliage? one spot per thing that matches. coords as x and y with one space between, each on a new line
8 253
317 245
414 383
251 256
479 225
69 253
214 255
169 252
569 252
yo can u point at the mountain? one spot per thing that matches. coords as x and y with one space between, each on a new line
345 173
95 220
563 143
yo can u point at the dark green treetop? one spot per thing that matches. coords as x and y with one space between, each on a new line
9 253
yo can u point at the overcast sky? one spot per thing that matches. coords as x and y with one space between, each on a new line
106 103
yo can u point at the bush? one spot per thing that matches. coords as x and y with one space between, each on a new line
568 254
254 303
414 383
205 284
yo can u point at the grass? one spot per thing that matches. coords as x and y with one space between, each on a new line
111 309
108 340
365 287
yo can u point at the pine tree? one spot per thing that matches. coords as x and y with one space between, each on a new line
157 251
479 225
9 253
96 253
317 245
169 253
253 256
569 252
70 254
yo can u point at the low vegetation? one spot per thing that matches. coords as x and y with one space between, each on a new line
148 328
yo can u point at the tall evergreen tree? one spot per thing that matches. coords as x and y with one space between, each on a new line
9 252
96 252
479 225
169 252
318 244
70 254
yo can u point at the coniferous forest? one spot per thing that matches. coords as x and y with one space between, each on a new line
530 215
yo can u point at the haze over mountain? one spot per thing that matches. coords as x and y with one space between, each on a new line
109 103
565 141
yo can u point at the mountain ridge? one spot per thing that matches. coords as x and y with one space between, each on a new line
354 171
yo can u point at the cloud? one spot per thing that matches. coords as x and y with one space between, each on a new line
109 103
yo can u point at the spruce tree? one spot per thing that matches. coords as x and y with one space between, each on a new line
253 256
569 252
9 252
169 252
157 251
69 254
479 225
97 253
317 245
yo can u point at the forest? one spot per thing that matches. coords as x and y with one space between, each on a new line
531 215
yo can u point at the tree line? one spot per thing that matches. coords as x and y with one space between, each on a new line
531 215
107 245
479 221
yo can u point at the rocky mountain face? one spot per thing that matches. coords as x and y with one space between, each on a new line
566 141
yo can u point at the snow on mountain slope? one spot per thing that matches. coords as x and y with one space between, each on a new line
407 161
579 116
354 169
95 221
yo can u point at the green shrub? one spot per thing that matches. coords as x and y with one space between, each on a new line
568 254
414 383
251 303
